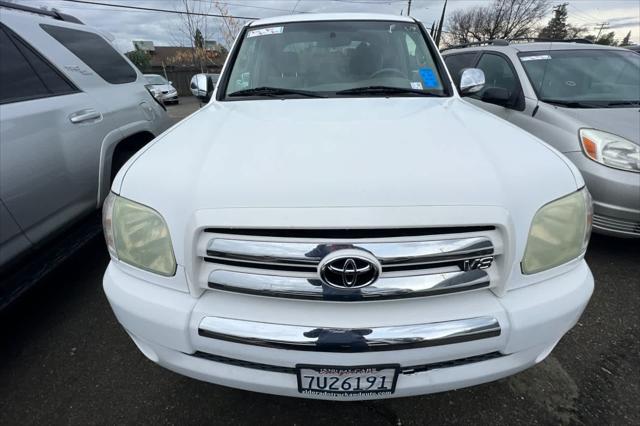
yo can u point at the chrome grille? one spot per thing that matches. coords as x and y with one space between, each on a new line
287 266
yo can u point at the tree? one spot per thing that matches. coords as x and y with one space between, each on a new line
229 27
140 59
608 39
198 39
626 40
192 29
502 19
556 29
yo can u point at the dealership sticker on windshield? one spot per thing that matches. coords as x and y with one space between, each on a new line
265 31
535 58
416 85
428 77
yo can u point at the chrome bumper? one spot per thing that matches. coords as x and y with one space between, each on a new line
320 339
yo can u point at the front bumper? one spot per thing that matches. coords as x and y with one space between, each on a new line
167 327
616 197
169 97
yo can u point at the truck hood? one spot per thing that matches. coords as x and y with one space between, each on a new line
623 122
353 152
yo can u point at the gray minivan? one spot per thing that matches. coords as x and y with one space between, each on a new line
583 99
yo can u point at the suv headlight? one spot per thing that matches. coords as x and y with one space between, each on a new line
137 235
610 150
559 232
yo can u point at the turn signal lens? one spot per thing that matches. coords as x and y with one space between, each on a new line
610 150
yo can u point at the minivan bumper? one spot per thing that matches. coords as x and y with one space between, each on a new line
616 197
167 325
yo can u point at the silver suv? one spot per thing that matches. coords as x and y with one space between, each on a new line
582 99
72 111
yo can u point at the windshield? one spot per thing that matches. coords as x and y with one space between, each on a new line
155 79
593 78
328 57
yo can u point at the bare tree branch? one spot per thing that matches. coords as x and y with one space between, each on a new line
500 19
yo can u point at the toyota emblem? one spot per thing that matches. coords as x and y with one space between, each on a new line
348 270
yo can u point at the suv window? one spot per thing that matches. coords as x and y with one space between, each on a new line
458 62
497 73
94 51
24 74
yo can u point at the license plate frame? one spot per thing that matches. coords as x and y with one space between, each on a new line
350 371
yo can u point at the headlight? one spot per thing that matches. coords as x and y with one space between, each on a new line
559 232
137 235
610 150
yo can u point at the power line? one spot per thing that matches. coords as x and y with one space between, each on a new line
249 6
151 9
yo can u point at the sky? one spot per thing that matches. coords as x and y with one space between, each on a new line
621 16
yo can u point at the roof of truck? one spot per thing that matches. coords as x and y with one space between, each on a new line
307 17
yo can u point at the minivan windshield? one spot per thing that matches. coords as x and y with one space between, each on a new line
155 79
585 78
334 58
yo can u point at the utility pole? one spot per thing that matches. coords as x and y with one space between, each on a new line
409 8
439 33
602 27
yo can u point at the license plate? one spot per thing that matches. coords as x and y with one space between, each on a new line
368 380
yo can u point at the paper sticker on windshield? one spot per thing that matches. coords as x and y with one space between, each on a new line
416 85
535 58
428 77
265 31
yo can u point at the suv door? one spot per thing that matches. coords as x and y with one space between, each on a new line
49 141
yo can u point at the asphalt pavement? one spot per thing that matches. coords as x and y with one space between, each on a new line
185 106
64 359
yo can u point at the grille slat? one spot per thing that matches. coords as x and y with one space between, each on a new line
351 233
615 224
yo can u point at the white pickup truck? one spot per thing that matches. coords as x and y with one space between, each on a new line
337 223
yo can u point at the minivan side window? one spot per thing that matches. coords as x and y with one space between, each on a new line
457 63
25 75
94 51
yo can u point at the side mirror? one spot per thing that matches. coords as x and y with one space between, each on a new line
201 87
471 81
497 96
170 82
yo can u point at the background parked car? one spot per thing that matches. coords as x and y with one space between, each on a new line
582 99
167 93
203 80
72 111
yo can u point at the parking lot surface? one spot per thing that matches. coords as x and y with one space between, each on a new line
185 106
65 360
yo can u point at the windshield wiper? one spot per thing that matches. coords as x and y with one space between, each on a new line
623 103
386 90
275 92
570 104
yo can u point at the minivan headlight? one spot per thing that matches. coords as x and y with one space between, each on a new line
610 150
137 235
559 232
